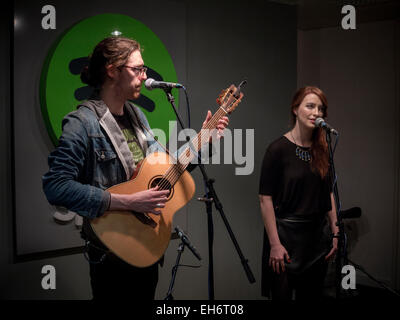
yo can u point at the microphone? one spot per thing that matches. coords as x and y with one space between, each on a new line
186 241
319 122
151 84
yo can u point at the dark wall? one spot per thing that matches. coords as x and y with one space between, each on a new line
225 45
359 72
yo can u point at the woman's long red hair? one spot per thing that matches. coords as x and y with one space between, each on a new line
319 147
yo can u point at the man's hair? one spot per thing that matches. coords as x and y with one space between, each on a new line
111 50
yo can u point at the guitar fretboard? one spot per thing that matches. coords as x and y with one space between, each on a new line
194 146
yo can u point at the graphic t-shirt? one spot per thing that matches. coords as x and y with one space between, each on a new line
130 136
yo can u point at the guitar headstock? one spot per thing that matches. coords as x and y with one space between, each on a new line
230 98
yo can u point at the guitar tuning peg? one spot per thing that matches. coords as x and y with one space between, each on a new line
221 97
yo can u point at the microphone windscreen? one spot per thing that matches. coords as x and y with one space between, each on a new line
148 83
319 122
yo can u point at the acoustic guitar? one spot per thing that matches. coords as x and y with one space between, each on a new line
141 239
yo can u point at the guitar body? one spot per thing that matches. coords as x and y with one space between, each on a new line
141 239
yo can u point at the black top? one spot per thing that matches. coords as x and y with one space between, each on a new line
123 120
295 189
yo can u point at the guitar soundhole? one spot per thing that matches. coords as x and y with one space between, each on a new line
163 184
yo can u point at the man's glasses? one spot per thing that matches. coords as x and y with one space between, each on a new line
137 70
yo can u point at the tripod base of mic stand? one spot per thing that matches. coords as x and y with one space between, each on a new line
169 297
174 271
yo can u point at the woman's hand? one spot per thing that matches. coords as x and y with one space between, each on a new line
277 257
221 125
332 254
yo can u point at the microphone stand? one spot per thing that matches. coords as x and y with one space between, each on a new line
184 241
212 195
174 271
210 226
341 256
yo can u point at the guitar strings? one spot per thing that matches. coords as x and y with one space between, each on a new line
174 172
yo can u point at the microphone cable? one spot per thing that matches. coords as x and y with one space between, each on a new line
187 106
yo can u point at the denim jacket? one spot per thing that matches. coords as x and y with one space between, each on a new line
92 156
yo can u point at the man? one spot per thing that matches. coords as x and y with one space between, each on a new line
101 144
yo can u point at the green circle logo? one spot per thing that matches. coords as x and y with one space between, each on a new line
61 88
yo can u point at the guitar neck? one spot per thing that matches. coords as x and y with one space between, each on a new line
228 101
193 148
203 137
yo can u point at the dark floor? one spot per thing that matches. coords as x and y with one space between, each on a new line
363 292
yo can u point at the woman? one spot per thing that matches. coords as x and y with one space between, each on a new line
296 204
102 142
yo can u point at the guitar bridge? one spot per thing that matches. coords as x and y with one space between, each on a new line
145 219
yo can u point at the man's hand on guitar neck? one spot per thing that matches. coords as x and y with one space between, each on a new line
148 201
221 125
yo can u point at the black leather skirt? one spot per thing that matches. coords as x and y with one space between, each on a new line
306 239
